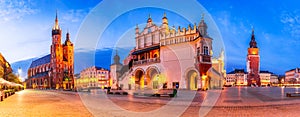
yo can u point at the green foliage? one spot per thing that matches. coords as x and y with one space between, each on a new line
13 78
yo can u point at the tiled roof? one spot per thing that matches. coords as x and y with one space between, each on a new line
41 61
99 68
293 69
232 72
265 72
40 75
237 71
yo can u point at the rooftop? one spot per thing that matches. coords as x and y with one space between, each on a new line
41 61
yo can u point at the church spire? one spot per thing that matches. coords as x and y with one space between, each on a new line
253 43
56 26
68 41
68 36
149 19
56 30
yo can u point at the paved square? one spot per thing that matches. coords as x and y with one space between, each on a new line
231 102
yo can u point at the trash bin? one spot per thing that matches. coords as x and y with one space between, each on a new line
174 92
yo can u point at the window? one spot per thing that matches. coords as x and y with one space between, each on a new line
205 50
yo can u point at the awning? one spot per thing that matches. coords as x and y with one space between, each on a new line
5 82
145 50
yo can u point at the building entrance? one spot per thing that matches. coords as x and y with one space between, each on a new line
192 78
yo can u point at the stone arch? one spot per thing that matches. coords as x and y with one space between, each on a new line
152 77
139 78
192 78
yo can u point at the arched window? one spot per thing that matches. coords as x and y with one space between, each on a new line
155 56
205 50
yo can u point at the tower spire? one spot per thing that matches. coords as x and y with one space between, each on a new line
68 35
253 43
56 16
68 41
56 26
56 30
149 19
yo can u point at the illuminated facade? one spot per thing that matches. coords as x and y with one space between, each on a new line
93 77
253 64
238 77
274 79
265 78
292 76
168 58
56 69
5 67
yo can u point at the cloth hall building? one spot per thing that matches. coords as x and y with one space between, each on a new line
168 58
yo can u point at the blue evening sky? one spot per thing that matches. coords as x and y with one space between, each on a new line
26 28
277 30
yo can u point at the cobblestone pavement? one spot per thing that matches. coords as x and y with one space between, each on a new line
290 110
230 102
35 103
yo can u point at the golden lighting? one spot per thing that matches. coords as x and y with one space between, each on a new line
204 77
253 51
131 80
7 65
161 78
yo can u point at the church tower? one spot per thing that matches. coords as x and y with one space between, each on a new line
68 58
115 69
56 55
253 62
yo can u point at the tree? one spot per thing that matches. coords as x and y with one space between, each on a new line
13 78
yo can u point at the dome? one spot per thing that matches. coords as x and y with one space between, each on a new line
116 58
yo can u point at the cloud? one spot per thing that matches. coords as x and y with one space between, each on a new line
74 15
11 10
291 21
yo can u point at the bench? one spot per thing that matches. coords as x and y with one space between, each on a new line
166 93
293 94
